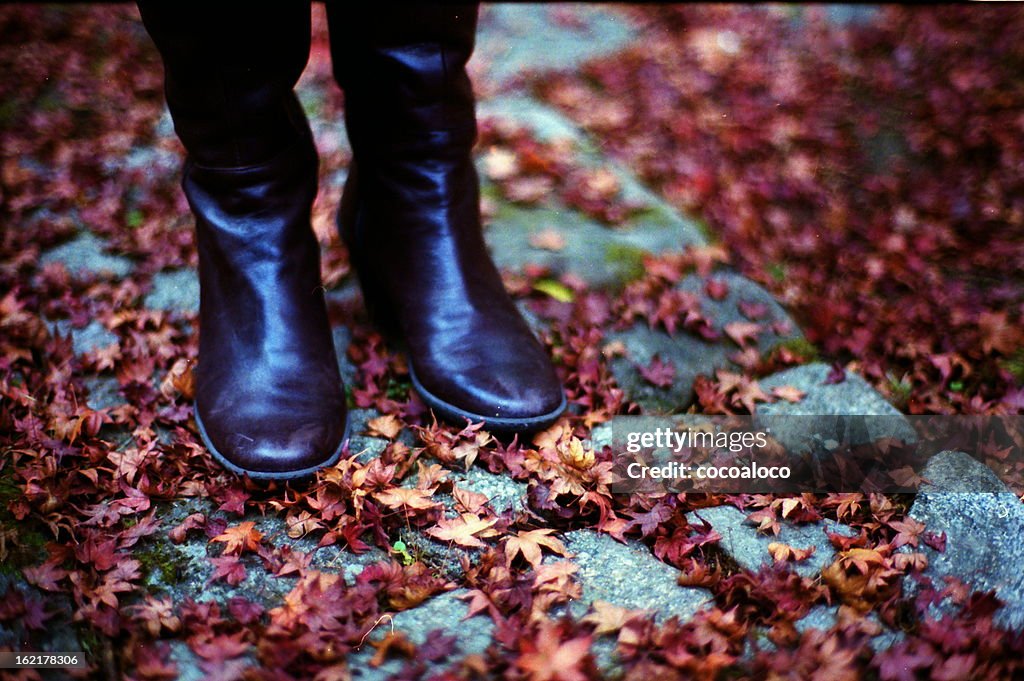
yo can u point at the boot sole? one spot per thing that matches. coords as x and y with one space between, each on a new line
268 475
494 424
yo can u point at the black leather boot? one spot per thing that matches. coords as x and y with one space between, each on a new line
269 396
411 219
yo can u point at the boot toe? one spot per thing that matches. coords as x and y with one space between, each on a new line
270 448
506 397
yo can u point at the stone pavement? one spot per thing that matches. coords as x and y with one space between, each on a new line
515 40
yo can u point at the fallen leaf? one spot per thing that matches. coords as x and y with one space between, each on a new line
463 530
529 543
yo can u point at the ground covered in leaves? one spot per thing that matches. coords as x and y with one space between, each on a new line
869 175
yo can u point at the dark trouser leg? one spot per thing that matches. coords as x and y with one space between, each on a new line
411 219
229 71
269 397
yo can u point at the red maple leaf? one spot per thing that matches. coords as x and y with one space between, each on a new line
228 568
658 373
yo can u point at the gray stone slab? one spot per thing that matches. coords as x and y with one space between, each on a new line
104 392
85 255
840 14
691 355
365 447
599 254
92 336
522 37
442 614
59 635
342 337
545 122
827 408
186 661
749 548
505 495
851 396
819 617
174 290
629 576
549 125
983 522
824 617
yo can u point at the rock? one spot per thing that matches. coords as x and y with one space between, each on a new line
59 634
104 392
186 661
546 123
983 521
513 39
739 290
838 14
819 617
184 570
365 447
824 617
505 494
92 336
693 356
441 615
174 291
606 657
342 337
853 395
85 255
749 548
597 254
600 255
828 408
629 576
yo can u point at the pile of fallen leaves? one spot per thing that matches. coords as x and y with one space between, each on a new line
87 495
868 175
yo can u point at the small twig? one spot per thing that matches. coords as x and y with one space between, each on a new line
370 631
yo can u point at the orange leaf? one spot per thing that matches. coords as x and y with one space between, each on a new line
240 538
743 333
609 618
463 530
387 426
395 497
784 552
470 501
529 544
788 393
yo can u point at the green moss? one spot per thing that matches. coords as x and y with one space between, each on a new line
1015 365
9 112
9 490
490 191
133 218
899 390
627 261
28 546
398 389
801 347
89 639
161 561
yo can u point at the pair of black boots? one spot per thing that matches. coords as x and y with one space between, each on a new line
269 397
